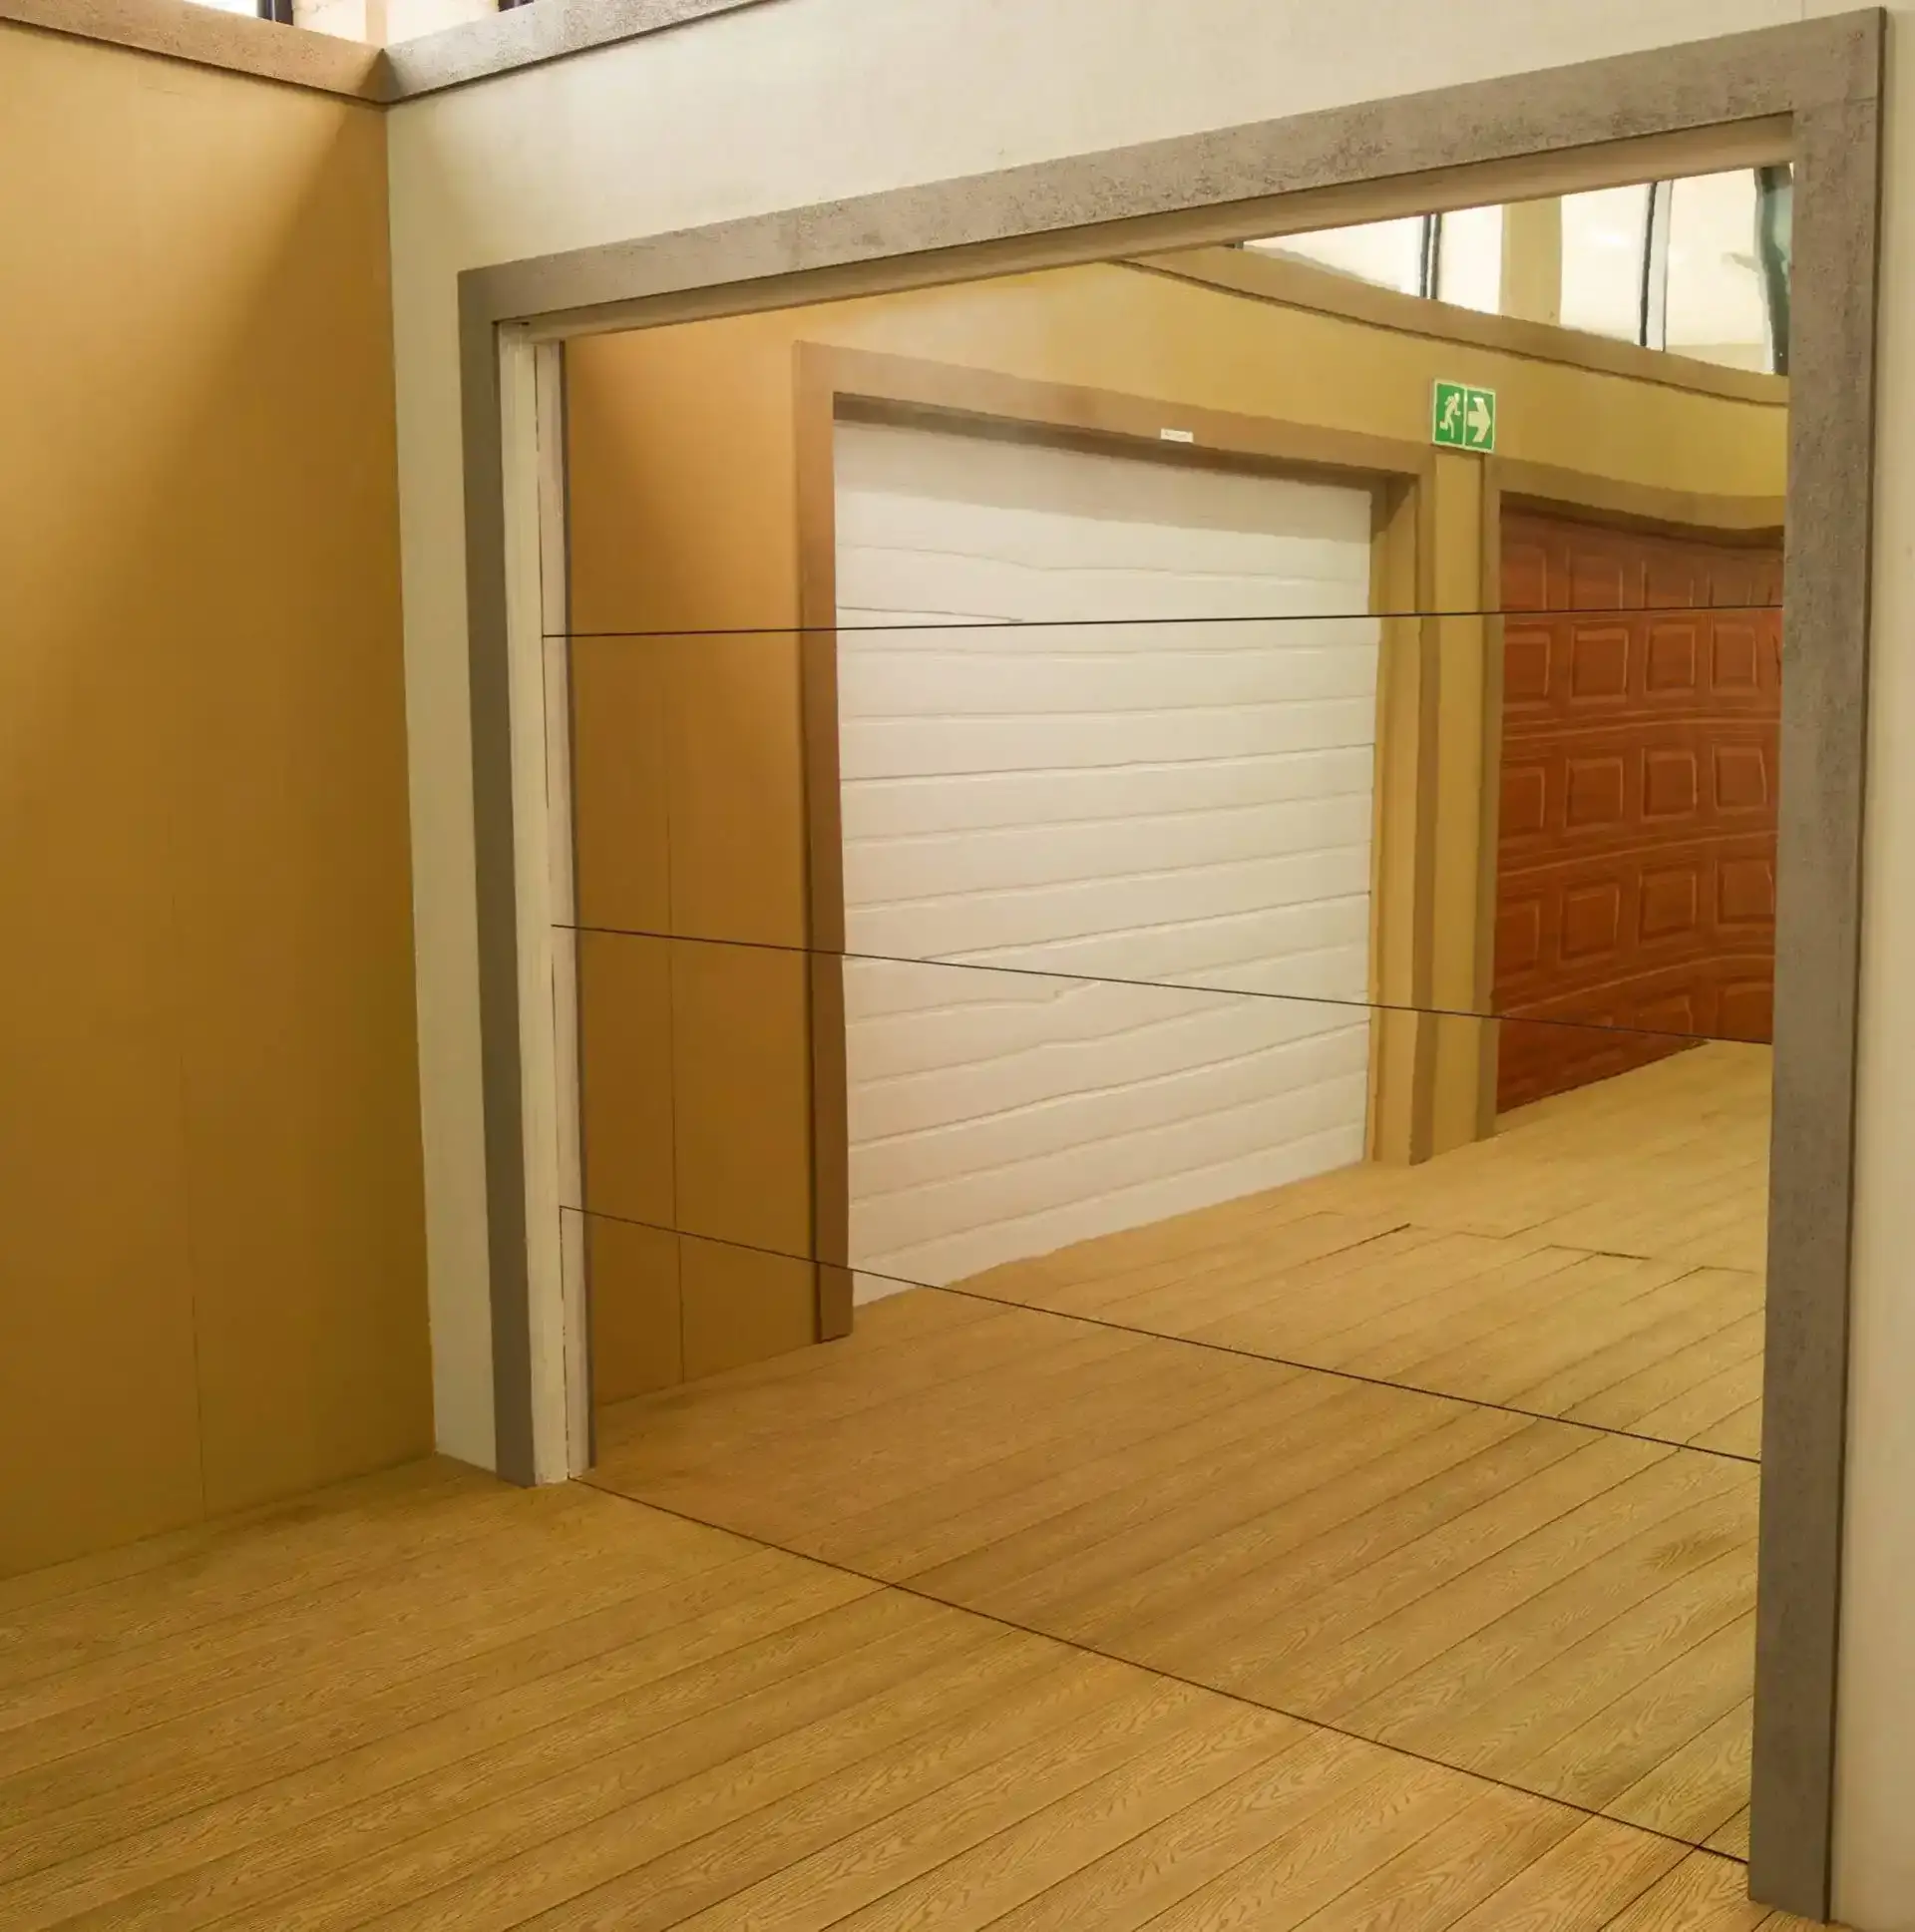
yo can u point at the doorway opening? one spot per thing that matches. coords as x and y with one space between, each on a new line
1223 938
1434 1036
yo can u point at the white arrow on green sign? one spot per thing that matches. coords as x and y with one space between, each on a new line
1463 418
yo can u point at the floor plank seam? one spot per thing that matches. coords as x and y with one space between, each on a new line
1252 1354
1250 1857
124 1648
1444 1582
1172 1676
470 1662
1349 1375
1707 1851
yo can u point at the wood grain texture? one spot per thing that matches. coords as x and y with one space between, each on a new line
1600 1260
638 1314
691 779
1702 1894
741 1095
1430 1480
628 1097
621 795
1565 1611
429 1701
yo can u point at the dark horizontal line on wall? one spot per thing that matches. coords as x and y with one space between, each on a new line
1183 1340
1158 985
1506 613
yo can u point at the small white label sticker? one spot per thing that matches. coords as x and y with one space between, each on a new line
1178 435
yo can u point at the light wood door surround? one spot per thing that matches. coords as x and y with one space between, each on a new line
688 792
1635 860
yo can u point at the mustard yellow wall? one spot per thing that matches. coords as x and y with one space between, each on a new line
684 491
212 1251
1106 327
1148 335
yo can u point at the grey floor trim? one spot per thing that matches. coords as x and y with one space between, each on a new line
1816 82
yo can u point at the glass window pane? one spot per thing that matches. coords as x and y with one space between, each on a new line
1603 237
1714 279
1471 264
1389 253
1775 252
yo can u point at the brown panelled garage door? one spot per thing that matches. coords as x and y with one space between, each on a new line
1635 880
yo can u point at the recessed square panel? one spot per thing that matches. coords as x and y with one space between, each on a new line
1525 666
1741 778
1736 659
1595 792
1525 576
1732 579
1591 920
1519 935
1670 902
1598 665
1674 578
1525 792
1669 784
1600 579
1675 653
1673 1012
1746 891
1747 1010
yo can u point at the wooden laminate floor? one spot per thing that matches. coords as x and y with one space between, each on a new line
428 1701
1458 1459
1565 1611
1599 1260
1119 1609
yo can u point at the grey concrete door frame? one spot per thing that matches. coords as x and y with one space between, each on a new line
1811 92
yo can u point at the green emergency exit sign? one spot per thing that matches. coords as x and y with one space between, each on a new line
1463 418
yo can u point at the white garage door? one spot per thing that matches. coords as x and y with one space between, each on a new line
1113 721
